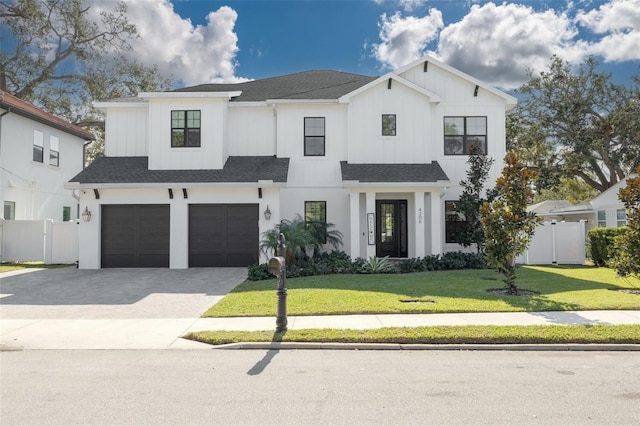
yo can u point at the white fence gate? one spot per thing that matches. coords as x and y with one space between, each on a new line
556 243
38 241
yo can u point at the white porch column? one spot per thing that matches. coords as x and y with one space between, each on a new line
419 214
354 216
436 223
178 230
371 208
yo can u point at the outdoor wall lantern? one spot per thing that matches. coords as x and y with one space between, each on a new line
267 213
86 214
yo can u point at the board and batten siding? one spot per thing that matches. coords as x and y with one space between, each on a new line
210 154
412 110
251 131
126 132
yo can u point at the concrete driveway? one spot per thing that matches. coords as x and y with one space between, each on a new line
108 308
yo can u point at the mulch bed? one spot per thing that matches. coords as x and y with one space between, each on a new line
505 292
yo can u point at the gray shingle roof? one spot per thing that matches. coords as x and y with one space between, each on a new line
302 85
391 173
122 170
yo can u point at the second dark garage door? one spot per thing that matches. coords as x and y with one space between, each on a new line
223 234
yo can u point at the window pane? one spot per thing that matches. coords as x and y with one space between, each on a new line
314 126
177 119
476 125
453 145
177 137
38 154
10 210
193 137
602 215
621 214
314 146
388 125
193 119
454 125
54 158
66 214
479 142
315 211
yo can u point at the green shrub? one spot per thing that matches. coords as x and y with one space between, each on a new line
259 272
406 266
378 265
432 262
602 243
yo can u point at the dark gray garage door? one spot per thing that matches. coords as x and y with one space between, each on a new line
135 236
223 234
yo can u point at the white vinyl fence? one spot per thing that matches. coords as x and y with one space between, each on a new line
38 240
556 243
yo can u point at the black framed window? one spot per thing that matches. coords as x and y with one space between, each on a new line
315 214
10 210
455 222
38 146
314 133
185 129
388 124
54 152
66 214
460 133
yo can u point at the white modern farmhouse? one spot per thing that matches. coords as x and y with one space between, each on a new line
194 176
39 153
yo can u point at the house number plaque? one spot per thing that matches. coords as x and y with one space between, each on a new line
371 228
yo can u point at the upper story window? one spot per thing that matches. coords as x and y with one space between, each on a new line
38 146
602 218
185 129
460 133
621 217
388 124
455 222
315 213
314 136
54 153
10 210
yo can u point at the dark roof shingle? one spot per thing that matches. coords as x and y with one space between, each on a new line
393 173
125 170
323 84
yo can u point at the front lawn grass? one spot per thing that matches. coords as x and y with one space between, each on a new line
15 266
560 288
537 334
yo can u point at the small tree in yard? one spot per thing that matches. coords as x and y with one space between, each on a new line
626 259
471 198
508 226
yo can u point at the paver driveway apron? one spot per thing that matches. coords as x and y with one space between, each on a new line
47 308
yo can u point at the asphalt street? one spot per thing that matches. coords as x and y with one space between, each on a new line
257 387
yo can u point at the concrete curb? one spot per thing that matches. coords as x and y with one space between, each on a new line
578 347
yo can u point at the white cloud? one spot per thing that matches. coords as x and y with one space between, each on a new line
499 43
192 54
620 21
405 39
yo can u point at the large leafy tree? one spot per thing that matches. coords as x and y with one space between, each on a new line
574 122
61 56
626 259
472 198
508 227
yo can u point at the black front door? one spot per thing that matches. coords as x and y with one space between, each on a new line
391 228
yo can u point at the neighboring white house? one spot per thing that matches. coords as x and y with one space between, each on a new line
605 210
194 176
39 153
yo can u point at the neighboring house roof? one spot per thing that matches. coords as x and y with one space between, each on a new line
317 85
16 105
135 170
393 173
547 206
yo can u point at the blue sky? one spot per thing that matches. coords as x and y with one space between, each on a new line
200 41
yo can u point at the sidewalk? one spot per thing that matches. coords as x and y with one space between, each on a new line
165 333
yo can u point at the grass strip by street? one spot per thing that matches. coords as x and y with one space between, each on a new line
16 266
535 334
558 288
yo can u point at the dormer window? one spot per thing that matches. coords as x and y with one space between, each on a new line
185 129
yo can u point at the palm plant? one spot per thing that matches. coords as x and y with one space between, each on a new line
299 236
